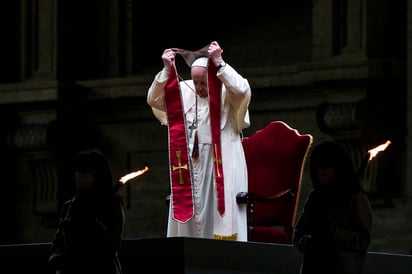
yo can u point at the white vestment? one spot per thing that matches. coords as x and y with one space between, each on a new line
236 95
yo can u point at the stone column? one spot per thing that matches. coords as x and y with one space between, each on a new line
408 165
39 37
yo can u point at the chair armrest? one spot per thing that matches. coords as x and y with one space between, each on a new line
167 200
247 197
242 197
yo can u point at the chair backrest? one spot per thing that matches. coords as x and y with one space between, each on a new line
275 157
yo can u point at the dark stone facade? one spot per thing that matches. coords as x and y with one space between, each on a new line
75 74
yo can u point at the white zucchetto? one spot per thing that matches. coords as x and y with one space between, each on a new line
200 62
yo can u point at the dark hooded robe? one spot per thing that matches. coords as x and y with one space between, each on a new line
334 229
89 232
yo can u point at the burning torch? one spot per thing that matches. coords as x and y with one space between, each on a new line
126 178
371 154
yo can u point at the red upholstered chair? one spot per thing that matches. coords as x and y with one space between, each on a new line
275 157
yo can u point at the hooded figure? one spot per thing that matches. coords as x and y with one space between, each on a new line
89 232
334 229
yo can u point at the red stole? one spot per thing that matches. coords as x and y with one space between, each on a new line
215 97
180 168
180 165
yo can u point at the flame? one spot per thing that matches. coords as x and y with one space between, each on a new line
374 151
133 175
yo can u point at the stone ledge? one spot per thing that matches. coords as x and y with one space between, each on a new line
195 255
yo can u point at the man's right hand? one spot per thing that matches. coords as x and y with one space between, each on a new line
168 57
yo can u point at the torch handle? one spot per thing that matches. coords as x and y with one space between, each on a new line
362 166
116 187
